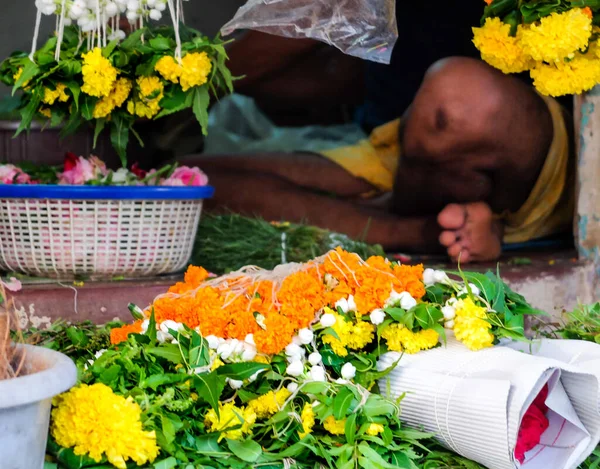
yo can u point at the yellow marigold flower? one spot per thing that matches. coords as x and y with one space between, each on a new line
470 326
333 426
99 75
95 421
115 99
150 87
374 429
400 339
44 111
168 67
262 359
230 416
573 77
141 109
308 420
354 336
196 67
216 364
269 404
558 36
499 49
50 96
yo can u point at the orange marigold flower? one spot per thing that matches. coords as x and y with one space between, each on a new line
120 334
192 280
301 296
411 278
588 12
380 263
212 318
277 336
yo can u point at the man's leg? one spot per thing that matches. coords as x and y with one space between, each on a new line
474 143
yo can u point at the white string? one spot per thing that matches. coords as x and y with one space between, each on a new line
98 23
74 297
36 33
61 29
283 248
176 27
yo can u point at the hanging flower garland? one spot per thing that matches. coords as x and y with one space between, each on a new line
90 71
556 42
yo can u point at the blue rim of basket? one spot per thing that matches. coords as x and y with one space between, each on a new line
41 191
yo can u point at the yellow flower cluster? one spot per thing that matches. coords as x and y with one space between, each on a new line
115 99
554 50
401 339
99 75
50 96
374 429
354 336
94 421
269 404
193 71
230 417
470 325
308 420
333 426
147 102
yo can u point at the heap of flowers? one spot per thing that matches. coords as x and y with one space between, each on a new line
91 72
78 170
272 368
556 42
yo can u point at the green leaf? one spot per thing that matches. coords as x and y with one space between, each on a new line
110 48
247 450
200 103
342 403
350 429
73 123
377 405
210 386
151 331
87 107
241 371
169 352
154 381
406 318
315 387
402 461
67 458
30 70
110 375
160 43
100 123
427 315
168 429
29 112
77 336
516 324
168 463
133 39
198 353
373 455
119 136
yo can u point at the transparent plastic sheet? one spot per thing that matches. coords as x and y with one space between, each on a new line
362 28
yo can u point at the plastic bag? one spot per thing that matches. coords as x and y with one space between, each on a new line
362 28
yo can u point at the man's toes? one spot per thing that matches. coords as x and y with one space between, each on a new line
448 238
455 250
453 217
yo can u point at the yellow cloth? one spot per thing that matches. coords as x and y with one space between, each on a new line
548 210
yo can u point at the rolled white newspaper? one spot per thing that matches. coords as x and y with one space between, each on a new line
474 402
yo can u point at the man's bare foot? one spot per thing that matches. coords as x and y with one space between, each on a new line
470 232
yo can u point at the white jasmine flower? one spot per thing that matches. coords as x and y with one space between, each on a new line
441 277
317 373
234 383
306 336
99 353
150 3
292 387
133 5
249 353
161 5
327 320
169 324
295 369
144 326
377 316
429 277
111 9
341 381
348 371
163 337
155 14
213 342
249 339
255 376
315 358
451 302
237 347
132 16
224 351
407 302
449 312
449 324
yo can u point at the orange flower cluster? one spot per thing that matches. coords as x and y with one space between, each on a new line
274 312
120 334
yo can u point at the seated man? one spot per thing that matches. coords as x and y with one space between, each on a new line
477 159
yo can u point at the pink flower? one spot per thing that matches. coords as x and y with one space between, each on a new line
185 176
10 174
13 285
79 171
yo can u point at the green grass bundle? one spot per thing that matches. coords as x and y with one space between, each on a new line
226 243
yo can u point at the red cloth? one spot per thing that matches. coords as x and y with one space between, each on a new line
533 425
70 161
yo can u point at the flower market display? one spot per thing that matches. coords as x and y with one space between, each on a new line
272 369
555 41
92 72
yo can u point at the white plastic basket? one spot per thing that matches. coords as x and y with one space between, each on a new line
98 232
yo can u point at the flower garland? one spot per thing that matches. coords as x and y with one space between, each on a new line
268 367
90 71
555 42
